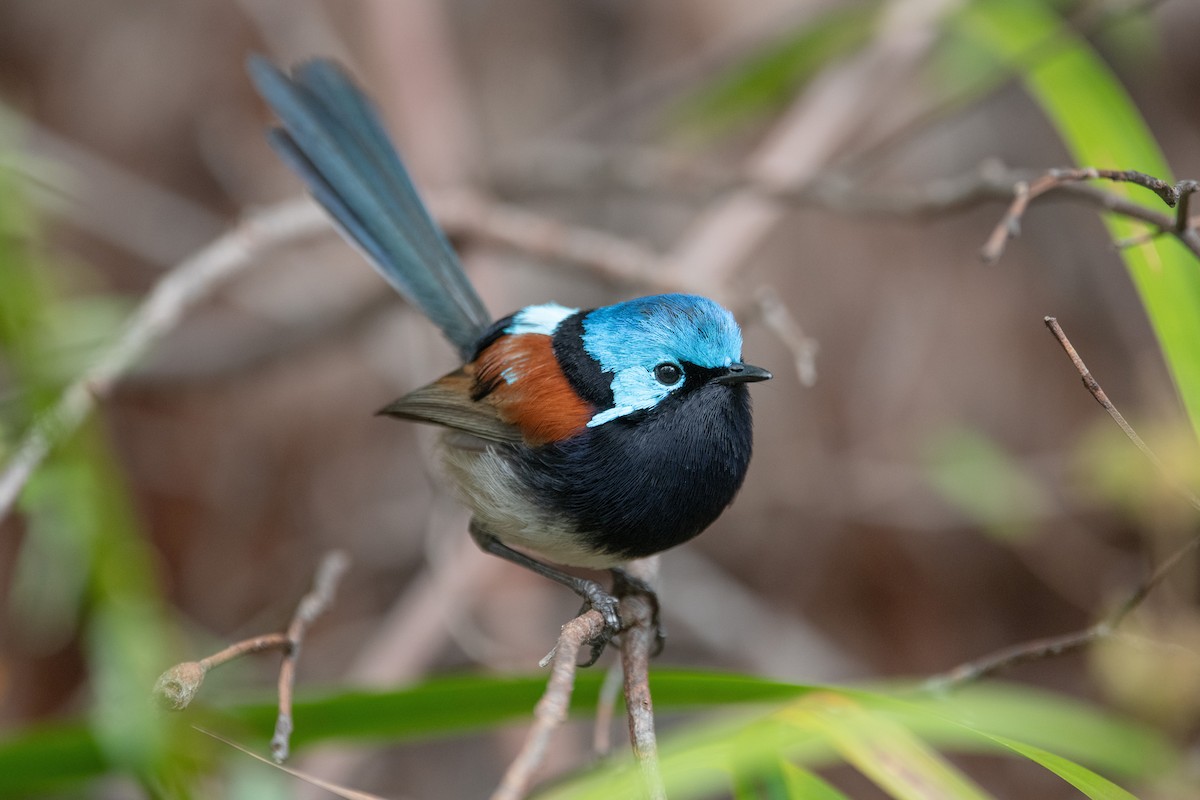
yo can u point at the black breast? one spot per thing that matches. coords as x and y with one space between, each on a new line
640 484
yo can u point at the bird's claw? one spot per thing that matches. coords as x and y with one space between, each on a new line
596 598
606 604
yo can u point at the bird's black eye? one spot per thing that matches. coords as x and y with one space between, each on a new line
668 374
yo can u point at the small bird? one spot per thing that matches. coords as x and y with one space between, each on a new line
585 437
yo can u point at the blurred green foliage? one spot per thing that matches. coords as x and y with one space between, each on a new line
83 566
758 85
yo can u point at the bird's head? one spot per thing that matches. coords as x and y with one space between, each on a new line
554 372
653 348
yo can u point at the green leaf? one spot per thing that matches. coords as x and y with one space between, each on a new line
1101 127
985 483
880 748
772 75
1086 781
748 744
804 785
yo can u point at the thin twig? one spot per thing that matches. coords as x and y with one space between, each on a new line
329 786
312 605
177 687
1057 645
778 319
637 644
1093 386
1025 193
551 710
158 314
1184 190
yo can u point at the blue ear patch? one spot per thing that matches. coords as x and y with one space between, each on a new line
630 339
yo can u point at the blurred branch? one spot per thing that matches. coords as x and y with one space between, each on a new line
177 687
1038 649
107 200
836 106
159 313
607 255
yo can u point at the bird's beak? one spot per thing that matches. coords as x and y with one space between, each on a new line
738 372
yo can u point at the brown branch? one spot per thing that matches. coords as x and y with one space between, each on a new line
1038 649
177 687
1025 193
465 213
551 710
312 605
638 642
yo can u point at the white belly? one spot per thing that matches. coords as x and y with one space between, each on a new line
489 485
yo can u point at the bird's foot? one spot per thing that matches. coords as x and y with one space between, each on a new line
597 598
624 585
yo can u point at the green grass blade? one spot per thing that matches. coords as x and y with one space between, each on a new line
882 749
703 757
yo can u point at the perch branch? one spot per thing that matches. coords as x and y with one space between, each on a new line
638 643
638 640
177 687
1038 649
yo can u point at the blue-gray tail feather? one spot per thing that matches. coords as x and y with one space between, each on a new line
332 138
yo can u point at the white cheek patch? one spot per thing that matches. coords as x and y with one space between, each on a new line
634 389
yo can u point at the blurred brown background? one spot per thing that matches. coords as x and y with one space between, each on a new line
248 438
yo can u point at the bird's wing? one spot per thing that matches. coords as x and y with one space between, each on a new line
449 402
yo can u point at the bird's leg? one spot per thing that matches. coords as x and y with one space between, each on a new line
593 594
626 584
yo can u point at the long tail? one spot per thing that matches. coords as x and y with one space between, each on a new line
332 138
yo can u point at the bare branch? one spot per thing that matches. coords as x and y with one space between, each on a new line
470 214
551 710
177 687
1038 649
637 644
312 605
1025 193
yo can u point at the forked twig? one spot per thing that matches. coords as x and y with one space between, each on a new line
1057 645
1025 192
177 687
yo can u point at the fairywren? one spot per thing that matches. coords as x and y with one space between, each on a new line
585 437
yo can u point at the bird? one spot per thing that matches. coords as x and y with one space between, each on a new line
576 437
